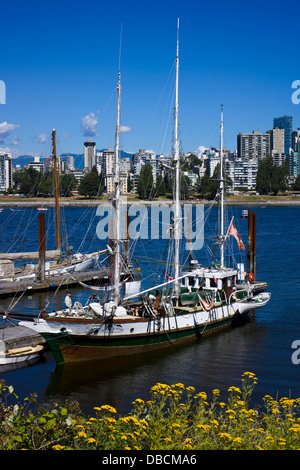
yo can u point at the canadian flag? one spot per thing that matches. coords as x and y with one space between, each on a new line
233 231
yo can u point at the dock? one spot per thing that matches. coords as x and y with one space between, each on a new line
15 337
65 280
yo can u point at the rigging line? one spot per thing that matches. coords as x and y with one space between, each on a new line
168 121
156 107
29 222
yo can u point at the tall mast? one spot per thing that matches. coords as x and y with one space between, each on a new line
222 193
177 218
116 201
56 191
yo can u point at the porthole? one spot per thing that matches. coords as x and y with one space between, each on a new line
131 330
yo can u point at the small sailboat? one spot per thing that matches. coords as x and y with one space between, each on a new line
191 304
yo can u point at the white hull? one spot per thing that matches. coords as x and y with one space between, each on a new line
132 326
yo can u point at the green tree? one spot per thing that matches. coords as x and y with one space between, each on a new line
185 187
27 181
129 185
160 189
264 176
145 182
91 184
68 184
203 185
280 178
296 185
271 178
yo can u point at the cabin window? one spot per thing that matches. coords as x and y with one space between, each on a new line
191 281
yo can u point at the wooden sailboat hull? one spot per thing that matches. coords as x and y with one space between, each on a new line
77 339
74 348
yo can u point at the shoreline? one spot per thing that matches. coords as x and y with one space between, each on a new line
12 202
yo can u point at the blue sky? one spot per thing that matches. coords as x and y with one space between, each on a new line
60 62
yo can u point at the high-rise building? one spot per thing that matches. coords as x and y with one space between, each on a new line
242 172
6 168
286 123
253 145
277 140
89 155
296 140
294 164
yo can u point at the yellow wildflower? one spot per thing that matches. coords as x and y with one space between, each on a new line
58 447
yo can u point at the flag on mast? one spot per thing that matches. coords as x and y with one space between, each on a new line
233 231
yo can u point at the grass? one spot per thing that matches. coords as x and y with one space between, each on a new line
175 418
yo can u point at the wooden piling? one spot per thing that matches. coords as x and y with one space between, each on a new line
249 232
253 244
42 247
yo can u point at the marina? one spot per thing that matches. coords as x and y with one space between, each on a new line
262 345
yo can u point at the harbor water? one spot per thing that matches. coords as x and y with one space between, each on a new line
265 345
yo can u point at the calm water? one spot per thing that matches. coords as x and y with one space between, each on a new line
262 346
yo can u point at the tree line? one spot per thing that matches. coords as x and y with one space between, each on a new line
33 183
270 179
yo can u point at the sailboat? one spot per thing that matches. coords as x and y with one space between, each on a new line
57 264
190 305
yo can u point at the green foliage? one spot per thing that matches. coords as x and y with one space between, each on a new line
33 183
175 418
28 181
208 187
160 189
67 184
271 178
145 187
296 185
91 184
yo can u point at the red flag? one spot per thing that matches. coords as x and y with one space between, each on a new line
233 231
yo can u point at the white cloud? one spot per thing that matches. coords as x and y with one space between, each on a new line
89 125
16 140
6 129
125 129
41 138
66 135
200 150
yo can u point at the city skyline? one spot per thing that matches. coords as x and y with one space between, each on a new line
60 69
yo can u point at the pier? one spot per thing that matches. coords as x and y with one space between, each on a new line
66 280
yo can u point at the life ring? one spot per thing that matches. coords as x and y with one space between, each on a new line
120 265
251 277
233 294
